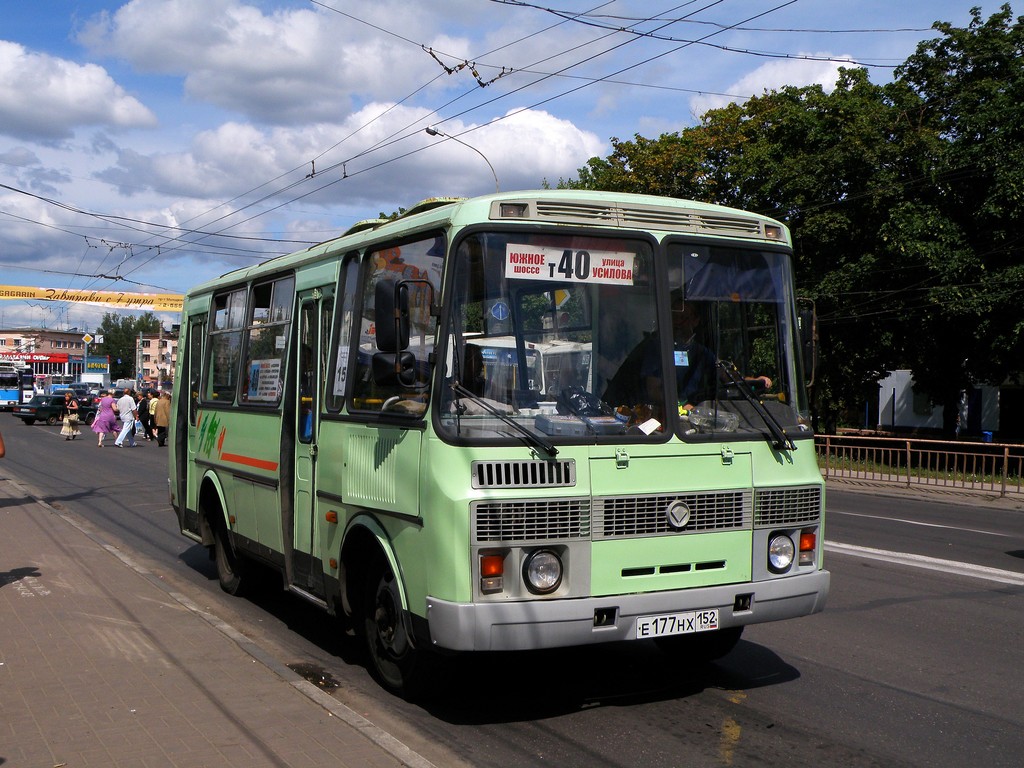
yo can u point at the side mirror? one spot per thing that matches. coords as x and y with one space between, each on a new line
391 368
391 308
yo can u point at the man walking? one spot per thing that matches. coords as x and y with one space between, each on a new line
128 411
162 417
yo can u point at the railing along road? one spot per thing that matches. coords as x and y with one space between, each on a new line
988 467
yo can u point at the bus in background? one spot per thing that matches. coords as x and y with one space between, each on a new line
15 385
331 424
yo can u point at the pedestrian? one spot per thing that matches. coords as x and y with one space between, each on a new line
143 407
162 417
106 418
154 401
70 429
128 411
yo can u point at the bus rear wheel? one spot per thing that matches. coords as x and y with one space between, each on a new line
230 571
702 647
392 657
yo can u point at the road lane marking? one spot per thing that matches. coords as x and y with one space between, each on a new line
926 525
729 740
929 563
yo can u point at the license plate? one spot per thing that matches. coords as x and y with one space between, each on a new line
676 623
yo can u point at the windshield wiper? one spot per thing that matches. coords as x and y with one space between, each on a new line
779 436
532 438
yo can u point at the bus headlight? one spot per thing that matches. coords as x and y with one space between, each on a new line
542 572
781 551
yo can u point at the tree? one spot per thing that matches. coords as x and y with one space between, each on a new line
905 202
834 168
120 340
971 81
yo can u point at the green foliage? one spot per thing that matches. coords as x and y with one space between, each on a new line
120 337
905 202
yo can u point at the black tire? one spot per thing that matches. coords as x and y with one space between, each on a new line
702 647
230 569
51 420
393 659
89 419
28 422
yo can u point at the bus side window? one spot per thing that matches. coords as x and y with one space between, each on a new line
225 347
412 265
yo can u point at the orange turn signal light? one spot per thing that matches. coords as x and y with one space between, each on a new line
492 565
332 516
807 541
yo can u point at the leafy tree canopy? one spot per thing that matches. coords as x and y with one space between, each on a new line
120 337
904 201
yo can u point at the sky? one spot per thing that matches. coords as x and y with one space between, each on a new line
150 145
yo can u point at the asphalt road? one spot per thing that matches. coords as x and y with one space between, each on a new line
916 660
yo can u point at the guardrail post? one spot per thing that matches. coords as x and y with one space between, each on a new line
908 463
1006 470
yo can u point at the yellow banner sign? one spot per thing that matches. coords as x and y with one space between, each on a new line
156 302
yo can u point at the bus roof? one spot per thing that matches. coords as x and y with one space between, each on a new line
659 215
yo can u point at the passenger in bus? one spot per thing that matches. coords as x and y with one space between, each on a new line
695 365
693 362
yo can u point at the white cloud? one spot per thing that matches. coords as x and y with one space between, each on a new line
291 66
43 98
387 156
773 76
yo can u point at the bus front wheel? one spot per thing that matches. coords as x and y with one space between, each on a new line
391 654
229 567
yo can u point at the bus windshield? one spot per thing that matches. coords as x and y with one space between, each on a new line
561 334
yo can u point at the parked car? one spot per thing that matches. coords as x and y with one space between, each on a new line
83 397
50 408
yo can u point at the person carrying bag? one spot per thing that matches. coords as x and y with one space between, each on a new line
70 428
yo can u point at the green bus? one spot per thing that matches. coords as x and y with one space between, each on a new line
337 421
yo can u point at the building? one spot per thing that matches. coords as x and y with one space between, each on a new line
156 355
59 357
54 356
902 408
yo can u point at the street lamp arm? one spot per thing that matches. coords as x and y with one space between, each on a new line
435 132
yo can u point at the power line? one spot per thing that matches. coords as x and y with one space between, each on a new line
700 41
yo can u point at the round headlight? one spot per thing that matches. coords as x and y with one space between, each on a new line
542 571
781 551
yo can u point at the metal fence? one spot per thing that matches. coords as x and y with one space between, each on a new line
988 467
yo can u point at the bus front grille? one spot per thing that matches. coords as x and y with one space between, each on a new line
787 507
619 517
524 474
632 516
531 520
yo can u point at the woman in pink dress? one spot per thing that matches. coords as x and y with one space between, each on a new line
106 418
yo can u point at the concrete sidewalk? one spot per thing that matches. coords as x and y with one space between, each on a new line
101 664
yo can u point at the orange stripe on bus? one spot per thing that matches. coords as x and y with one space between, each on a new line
249 461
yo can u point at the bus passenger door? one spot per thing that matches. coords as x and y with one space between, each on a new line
186 417
315 309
